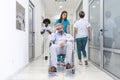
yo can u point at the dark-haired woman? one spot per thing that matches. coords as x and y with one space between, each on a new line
66 25
64 21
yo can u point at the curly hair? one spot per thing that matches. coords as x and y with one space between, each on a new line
46 20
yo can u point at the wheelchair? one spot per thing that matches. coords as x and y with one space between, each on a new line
61 63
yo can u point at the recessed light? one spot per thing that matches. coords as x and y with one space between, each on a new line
60 7
93 6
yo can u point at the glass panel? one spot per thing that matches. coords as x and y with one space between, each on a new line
111 24
95 22
112 63
95 25
95 55
111 38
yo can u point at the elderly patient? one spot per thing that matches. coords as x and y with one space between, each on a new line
62 44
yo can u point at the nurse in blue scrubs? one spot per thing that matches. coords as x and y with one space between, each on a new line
66 27
64 21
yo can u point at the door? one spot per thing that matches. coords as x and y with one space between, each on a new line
111 39
31 33
94 45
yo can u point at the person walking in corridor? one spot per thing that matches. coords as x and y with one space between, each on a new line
46 31
82 34
66 25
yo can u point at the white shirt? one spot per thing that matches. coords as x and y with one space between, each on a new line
46 34
57 37
81 26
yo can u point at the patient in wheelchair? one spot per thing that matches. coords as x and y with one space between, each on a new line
61 44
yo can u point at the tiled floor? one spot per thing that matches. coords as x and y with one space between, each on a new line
38 70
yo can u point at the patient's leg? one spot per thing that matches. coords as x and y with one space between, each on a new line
69 52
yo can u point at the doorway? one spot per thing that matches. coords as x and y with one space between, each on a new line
31 32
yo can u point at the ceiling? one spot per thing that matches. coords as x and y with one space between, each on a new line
53 8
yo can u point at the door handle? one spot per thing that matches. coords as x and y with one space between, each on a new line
101 30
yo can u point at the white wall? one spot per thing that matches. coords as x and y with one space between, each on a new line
13 42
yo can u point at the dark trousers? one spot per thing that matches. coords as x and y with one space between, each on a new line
81 44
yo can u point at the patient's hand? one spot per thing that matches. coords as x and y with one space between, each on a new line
62 43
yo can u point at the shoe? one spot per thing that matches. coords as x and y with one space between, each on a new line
86 63
53 69
46 57
68 66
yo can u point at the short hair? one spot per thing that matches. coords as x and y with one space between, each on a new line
46 20
81 14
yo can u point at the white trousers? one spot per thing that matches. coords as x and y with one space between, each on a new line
56 50
46 43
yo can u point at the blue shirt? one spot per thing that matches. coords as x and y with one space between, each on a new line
65 23
57 37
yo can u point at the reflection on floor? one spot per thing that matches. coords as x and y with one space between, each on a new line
38 70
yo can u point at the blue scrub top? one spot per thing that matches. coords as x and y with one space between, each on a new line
65 23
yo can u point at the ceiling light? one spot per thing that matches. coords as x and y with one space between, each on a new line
60 7
93 6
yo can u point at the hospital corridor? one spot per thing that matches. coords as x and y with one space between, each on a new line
60 40
38 70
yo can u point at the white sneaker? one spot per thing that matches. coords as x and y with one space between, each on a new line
80 63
